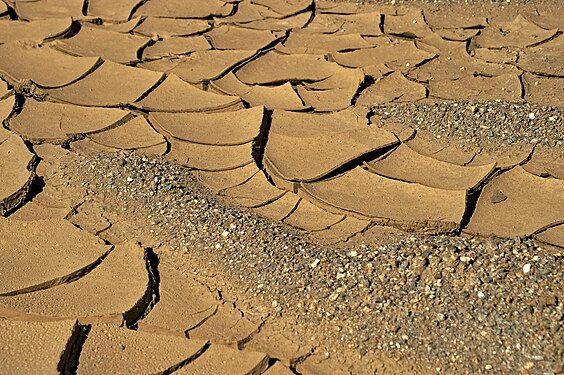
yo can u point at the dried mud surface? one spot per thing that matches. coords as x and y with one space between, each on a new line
282 186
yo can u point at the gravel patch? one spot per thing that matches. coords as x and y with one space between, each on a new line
459 304
480 123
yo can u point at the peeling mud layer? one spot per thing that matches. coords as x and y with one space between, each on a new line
282 186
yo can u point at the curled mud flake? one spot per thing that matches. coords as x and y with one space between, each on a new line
111 10
134 351
110 85
210 158
218 181
309 217
518 33
402 55
61 252
184 8
342 231
392 88
176 95
366 24
505 87
169 27
409 25
214 361
109 45
208 65
217 129
34 31
20 342
279 24
280 208
275 67
229 37
303 42
175 46
545 59
327 141
17 171
117 286
363 192
546 91
134 134
272 97
285 8
407 165
51 68
553 235
46 9
532 203
255 192
45 121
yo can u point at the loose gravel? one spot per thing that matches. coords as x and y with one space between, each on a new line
486 124
458 304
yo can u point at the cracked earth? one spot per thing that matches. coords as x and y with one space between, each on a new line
281 187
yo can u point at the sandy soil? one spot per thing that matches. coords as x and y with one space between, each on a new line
276 186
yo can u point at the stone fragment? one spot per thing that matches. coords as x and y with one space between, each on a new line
278 369
210 158
255 192
416 206
532 204
109 45
280 208
218 181
546 162
115 288
229 37
273 97
218 129
110 85
392 88
111 10
169 27
518 33
170 47
176 95
34 347
34 31
208 65
46 9
400 55
17 171
43 253
134 352
309 217
135 133
184 8
327 141
45 121
51 68
407 165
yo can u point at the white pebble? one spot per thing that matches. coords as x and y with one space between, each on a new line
531 115
129 179
314 263
527 268
481 295
225 233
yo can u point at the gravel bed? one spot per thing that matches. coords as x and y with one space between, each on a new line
466 305
481 123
